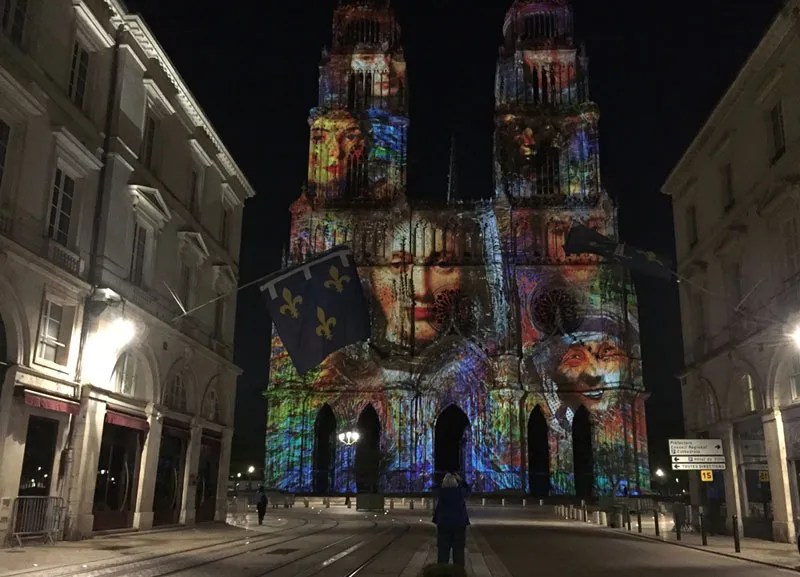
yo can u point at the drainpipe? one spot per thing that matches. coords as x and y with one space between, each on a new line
67 458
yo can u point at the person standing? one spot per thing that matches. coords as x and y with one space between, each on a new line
451 519
261 505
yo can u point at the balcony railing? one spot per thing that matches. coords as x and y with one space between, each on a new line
64 258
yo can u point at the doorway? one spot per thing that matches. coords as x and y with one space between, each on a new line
37 462
582 453
449 445
169 477
538 454
117 472
207 472
324 458
368 451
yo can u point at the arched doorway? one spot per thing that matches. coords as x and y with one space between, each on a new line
324 450
582 453
368 451
449 445
538 454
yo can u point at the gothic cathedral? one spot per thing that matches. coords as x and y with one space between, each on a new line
493 353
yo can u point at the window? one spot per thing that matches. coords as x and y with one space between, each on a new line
219 318
5 137
149 141
175 395
211 405
194 191
55 332
61 208
790 237
691 224
727 187
751 395
778 136
127 375
185 284
15 12
78 74
139 253
225 227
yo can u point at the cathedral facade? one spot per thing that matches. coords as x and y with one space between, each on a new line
493 352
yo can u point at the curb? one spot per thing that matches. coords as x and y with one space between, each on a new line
697 548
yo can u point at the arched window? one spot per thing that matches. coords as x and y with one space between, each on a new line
175 395
750 393
211 405
127 377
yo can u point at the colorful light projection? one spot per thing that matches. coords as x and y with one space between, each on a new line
440 320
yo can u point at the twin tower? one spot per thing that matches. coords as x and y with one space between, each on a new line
492 352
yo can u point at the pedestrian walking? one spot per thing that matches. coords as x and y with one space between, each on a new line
261 505
451 519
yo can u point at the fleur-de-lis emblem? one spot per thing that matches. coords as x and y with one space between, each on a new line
290 308
336 282
325 328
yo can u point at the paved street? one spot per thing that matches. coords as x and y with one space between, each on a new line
339 542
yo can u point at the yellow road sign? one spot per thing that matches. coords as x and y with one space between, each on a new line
763 476
707 476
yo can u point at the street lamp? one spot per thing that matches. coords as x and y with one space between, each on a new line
659 472
349 439
796 336
251 469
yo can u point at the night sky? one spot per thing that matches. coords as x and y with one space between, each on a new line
657 70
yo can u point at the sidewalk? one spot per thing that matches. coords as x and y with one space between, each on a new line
783 555
36 557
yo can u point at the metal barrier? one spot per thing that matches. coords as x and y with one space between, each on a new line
37 517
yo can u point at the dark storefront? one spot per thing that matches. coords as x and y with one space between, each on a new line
118 471
207 475
169 475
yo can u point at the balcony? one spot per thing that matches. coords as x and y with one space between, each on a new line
64 258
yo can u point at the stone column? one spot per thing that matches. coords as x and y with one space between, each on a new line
222 476
779 478
6 401
82 460
733 490
143 514
13 452
190 476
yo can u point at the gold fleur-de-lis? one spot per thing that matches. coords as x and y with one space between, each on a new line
290 308
325 328
336 281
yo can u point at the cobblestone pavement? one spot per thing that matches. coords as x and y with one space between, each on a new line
341 542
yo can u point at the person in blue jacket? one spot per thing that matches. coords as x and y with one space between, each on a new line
451 519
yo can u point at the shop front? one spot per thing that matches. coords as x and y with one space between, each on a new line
207 477
169 473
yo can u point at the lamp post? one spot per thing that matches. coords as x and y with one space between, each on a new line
349 439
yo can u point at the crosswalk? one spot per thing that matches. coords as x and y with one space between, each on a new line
481 560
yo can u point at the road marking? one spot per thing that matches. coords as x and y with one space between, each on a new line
495 567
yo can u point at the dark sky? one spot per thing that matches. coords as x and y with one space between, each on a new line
657 70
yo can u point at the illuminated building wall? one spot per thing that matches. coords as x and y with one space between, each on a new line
473 304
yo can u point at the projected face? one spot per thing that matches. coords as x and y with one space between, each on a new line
428 284
335 138
588 371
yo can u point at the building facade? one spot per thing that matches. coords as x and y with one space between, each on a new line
735 198
492 351
115 193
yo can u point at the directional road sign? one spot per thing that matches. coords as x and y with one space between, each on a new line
698 466
695 447
700 459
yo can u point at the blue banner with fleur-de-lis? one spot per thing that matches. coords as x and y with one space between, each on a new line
318 307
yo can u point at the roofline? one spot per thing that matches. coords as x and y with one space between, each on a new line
149 44
777 32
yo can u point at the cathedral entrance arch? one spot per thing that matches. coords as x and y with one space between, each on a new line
324 458
368 451
538 454
582 453
450 443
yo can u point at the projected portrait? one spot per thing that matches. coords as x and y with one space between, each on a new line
337 151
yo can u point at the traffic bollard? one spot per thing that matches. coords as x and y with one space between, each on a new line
391 503
411 504
639 519
541 502
678 530
305 502
483 501
655 518
584 515
524 502
736 543
628 511
503 502
703 535
327 503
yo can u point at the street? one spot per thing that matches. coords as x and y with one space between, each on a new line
340 542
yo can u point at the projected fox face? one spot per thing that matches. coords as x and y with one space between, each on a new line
588 371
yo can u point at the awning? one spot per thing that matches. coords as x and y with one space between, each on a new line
129 421
51 404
